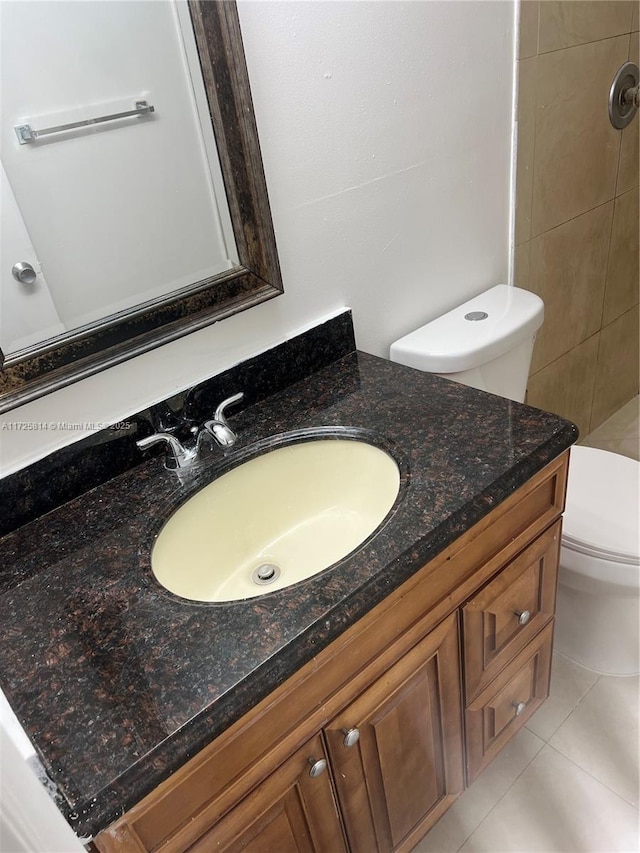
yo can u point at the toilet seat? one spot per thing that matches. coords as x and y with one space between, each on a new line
602 516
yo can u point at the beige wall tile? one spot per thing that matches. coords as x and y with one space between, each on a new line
617 367
566 385
571 22
634 46
526 139
629 152
635 22
623 275
568 271
521 265
576 148
528 45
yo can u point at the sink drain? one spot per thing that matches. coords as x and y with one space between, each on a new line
265 574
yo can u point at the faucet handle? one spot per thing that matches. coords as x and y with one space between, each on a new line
219 413
177 456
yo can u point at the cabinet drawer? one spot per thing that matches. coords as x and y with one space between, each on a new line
508 702
509 611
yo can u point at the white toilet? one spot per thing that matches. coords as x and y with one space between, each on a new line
598 615
487 343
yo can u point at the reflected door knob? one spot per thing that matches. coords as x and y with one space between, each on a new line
23 272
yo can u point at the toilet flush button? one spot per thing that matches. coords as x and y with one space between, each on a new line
476 315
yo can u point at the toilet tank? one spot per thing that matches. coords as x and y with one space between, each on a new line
486 343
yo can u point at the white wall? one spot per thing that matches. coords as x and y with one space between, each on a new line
29 819
386 136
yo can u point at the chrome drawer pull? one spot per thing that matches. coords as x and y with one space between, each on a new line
519 706
317 767
351 736
523 616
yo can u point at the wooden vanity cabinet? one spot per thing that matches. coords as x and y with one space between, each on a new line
413 699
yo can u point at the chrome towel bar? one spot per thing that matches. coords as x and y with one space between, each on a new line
26 133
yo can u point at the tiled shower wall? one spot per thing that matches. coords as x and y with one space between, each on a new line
577 206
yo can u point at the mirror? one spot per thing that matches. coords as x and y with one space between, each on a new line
229 262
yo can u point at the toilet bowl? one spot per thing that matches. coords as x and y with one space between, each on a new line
598 609
487 343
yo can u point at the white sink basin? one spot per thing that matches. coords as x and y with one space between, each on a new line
285 515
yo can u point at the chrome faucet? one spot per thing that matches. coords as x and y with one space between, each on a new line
217 429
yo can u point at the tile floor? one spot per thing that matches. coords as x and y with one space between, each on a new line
621 433
568 782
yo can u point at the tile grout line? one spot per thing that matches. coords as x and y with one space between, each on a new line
561 755
573 707
507 791
595 778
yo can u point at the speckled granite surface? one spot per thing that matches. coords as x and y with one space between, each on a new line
118 682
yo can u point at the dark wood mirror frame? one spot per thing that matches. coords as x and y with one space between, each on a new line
39 370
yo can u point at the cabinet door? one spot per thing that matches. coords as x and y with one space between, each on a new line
406 767
290 812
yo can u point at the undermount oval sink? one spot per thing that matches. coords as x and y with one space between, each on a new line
275 520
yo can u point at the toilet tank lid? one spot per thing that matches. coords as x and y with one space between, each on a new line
603 503
451 343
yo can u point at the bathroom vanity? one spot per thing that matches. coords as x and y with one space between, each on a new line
365 747
346 712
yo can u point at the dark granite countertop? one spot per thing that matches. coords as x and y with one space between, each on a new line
118 683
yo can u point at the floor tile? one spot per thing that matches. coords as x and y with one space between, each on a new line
474 805
556 807
623 424
624 446
569 683
601 735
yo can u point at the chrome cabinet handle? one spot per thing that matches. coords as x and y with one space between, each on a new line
317 767
523 616
519 706
351 736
